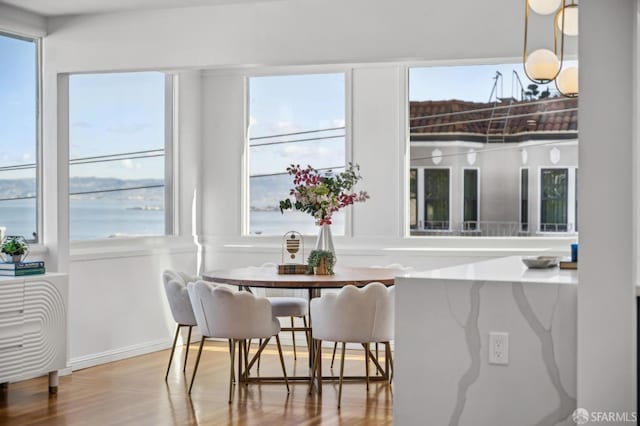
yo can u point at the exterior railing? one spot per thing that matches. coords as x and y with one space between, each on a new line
477 228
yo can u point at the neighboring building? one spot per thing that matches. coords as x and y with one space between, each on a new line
501 168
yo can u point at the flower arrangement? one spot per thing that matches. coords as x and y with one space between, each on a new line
322 194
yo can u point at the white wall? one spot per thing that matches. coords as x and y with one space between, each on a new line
289 32
608 194
20 22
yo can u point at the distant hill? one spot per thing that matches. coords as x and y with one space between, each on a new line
266 192
14 188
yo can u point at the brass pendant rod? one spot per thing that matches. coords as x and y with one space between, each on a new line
555 81
555 45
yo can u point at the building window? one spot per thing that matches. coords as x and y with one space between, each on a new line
19 136
293 119
120 149
491 119
413 198
470 202
554 185
436 199
524 200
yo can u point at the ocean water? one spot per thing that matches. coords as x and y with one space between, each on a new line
90 218
104 218
276 223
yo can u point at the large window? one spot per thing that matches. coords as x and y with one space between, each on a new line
488 121
294 119
119 155
19 134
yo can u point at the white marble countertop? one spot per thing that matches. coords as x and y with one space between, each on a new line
504 269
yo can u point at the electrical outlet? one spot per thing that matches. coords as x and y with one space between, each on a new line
498 348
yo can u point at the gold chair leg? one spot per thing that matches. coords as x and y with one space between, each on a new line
366 363
390 363
341 374
293 337
306 334
314 369
233 374
284 370
232 354
240 375
260 345
377 358
256 357
333 357
246 363
320 366
173 349
195 367
186 350
386 360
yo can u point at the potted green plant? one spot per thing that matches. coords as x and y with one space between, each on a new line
320 262
14 248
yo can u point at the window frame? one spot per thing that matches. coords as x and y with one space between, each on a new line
520 194
38 133
421 211
571 198
171 163
246 158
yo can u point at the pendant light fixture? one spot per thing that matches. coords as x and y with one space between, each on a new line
543 66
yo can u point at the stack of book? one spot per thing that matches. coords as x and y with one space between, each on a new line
292 269
20 269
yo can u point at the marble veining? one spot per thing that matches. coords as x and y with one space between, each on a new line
474 343
567 403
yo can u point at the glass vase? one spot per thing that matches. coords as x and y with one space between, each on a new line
325 241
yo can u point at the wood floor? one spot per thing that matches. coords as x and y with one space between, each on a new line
133 392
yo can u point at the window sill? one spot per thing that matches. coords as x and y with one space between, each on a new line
130 247
435 246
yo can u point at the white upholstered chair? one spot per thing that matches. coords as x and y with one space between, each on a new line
353 315
236 316
394 266
175 286
287 303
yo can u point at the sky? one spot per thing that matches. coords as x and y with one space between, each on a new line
17 105
113 114
287 104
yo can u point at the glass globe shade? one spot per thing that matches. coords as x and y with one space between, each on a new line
567 81
570 20
544 7
542 65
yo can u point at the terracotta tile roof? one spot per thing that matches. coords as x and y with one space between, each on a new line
525 120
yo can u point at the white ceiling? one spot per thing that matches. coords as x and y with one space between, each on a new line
76 7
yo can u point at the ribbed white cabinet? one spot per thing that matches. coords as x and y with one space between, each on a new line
33 327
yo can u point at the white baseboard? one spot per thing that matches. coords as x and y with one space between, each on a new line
118 354
92 360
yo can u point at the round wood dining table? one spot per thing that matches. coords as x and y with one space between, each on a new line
268 277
